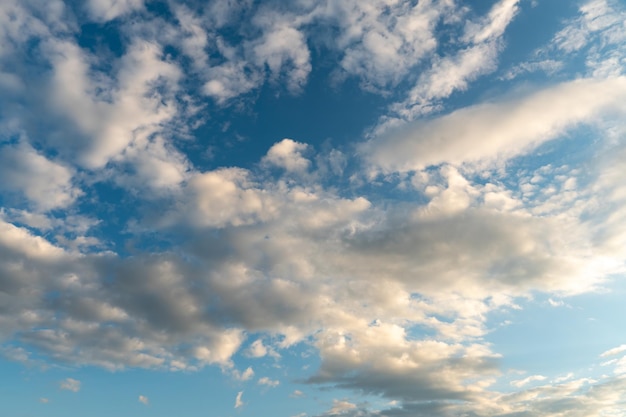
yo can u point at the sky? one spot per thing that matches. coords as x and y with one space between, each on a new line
314 208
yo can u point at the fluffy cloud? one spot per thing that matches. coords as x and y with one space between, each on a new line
46 184
287 154
144 400
283 46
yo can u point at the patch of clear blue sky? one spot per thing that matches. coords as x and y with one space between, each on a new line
555 340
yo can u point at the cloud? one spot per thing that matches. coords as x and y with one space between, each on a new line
243 376
597 33
268 382
380 42
499 130
494 24
596 17
393 295
549 66
614 351
144 400
238 401
556 303
340 406
44 183
105 10
297 394
44 400
283 49
453 72
521 382
258 350
70 384
287 154
133 106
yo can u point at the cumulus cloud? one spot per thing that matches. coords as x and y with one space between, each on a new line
287 154
44 183
144 400
258 350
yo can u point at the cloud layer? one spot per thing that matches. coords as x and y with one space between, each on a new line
125 243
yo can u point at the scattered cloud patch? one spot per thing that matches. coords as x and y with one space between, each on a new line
238 401
268 382
70 384
297 394
521 382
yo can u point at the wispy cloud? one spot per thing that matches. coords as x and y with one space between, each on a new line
238 401
70 384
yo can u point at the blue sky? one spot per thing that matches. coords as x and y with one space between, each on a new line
315 208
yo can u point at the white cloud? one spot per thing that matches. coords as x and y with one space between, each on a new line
243 376
44 400
549 66
341 406
109 113
257 349
70 384
454 72
596 16
614 351
268 382
297 394
228 196
238 401
144 400
521 382
105 10
46 184
556 303
284 50
287 154
499 130
494 24
598 34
